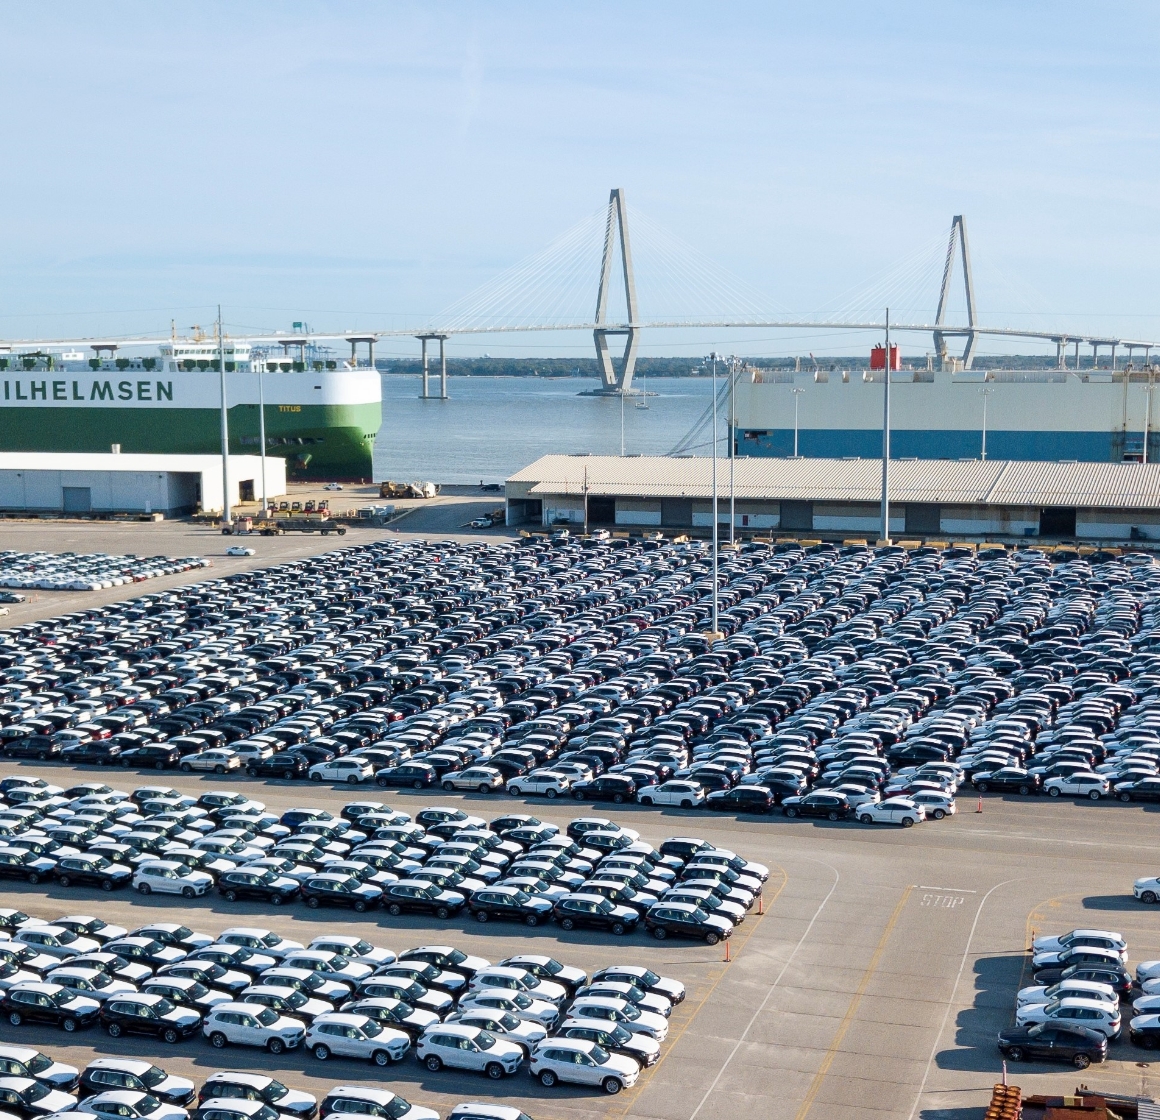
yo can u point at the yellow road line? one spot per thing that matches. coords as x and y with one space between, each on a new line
851 1011
649 1074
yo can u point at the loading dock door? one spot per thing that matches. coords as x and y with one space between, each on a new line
797 516
78 499
1057 522
922 518
677 512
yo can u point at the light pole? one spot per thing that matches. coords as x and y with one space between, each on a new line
734 365
886 439
262 430
713 359
796 395
225 424
622 423
984 393
1147 414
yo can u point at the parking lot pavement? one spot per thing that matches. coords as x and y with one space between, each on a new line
873 985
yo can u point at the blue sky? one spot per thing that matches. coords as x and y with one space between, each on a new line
364 165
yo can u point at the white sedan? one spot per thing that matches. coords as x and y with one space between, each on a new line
894 810
1147 889
165 876
685 795
216 759
582 1062
239 550
352 769
547 782
1080 784
356 1036
459 1047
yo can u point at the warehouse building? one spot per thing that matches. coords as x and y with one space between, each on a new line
836 498
172 485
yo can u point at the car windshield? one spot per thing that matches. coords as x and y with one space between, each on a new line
275 1091
508 1021
267 1016
599 1054
164 1006
38 1063
649 978
630 1012
100 979
295 999
485 1040
33 1092
1037 1030
147 1104
371 1028
397 1108
521 1001
619 1035
699 915
66 937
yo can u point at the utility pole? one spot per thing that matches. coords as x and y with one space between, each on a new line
734 364
984 393
713 358
1148 414
262 429
621 394
226 520
796 397
886 440
586 499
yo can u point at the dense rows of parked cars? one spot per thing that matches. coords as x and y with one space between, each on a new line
33 1086
850 684
338 997
596 875
1072 1010
88 571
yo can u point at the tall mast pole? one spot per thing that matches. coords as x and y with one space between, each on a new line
262 429
885 536
713 357
225 424
733 364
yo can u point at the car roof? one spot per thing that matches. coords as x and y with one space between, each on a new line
131 1065
365 1092
345 1018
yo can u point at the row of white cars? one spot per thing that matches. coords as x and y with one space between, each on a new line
1086 979
94 571
343 997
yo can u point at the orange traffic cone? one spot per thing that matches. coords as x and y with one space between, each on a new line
728 953
979 809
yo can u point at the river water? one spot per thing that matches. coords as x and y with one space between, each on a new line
492 426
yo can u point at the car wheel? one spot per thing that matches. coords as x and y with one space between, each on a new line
982 787
619 929
218 1040
219 769
417 785
611 1086
532 920
617 799
231 896
34 877
686 804
790 812
381 1058
866 818
171 1036
711 938
483 789
316 777
144 888
113 1030
394 909
907 822
186 768
43 756
515 791
188 892
1125 797
567 923
312 902
252 771
433 1063
579 795
832 815
1081 1061
64 880
1024 791
939 814
551 794
106 885
1015 1053
352 779
276 1046
442 913
1095 795
1149 897
660 933
360 907
547 1078
321 1052
382 783
646 801
15 1018
448 787
1053 792
494 1070
156 765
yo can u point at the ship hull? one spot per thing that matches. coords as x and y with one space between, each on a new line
324 425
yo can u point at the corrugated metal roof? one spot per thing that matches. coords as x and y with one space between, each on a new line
1084 485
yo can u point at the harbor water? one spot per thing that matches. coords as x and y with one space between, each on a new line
492 426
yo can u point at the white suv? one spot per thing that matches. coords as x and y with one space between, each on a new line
458 1047
582 1062
250 1024
1096 1014
166 876
356 1036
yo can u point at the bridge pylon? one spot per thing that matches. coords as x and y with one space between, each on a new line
616 376
959 236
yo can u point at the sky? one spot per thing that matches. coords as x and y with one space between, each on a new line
367 165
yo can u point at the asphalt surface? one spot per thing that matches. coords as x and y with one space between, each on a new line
872 985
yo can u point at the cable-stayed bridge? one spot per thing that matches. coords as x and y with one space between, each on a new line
552 291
